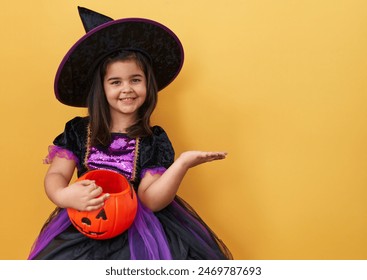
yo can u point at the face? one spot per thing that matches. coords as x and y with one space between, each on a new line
125 88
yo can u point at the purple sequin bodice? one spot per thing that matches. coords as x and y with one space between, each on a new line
119 156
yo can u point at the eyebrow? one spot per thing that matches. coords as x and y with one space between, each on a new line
130 77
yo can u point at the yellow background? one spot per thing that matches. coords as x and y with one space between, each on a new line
280 85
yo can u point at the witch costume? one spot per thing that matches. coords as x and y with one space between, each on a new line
175 232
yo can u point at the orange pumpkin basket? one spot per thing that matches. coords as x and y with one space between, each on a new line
118 212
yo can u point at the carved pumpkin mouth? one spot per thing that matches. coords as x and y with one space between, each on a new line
87 232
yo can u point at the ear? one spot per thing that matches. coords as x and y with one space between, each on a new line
91 19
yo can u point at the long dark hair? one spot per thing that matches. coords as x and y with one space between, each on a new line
98 108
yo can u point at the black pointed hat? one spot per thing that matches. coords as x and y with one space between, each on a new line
104 36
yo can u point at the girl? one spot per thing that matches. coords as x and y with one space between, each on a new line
117 136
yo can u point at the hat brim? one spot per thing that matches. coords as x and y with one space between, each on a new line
74 75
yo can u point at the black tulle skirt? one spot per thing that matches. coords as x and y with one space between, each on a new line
176 232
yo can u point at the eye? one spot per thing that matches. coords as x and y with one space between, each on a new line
116 83
135 81
101 215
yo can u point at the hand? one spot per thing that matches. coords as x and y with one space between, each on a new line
83 195
193 158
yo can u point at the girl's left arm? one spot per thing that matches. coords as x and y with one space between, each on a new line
157 191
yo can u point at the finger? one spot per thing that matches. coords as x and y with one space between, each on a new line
96 190
105 196
221 155
99 201
94 207
87 182
216 156
217 153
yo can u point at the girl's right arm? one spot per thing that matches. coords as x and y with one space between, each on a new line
81 195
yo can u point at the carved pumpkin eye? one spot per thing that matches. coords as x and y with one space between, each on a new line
86 221
102 215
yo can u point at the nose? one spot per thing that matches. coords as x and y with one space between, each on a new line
126 89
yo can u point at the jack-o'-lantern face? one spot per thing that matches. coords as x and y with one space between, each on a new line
117 214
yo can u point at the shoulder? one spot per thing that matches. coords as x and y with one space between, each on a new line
74 130
158 137
156 148
159 131
77 122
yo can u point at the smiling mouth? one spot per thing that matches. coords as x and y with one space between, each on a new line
127 99
87 232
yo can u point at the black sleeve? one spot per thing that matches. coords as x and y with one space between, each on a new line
74 137
156 150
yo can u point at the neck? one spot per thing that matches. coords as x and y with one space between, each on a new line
121 124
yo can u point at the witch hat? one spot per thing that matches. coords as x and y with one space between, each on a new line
104 36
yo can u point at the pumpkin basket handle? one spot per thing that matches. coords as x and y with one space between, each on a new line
131 191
